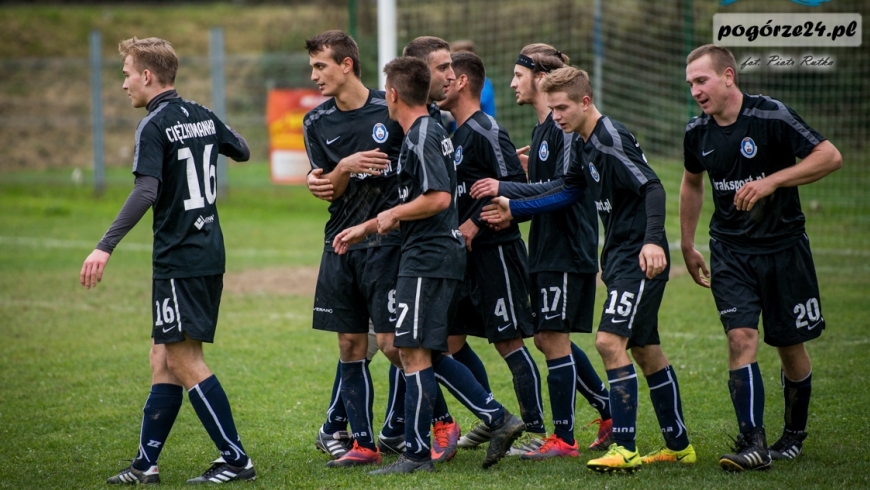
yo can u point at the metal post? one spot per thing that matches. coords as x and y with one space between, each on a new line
688 45
218 96
386 37
97 127
598 48
351 18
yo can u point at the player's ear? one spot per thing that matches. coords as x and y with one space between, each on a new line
729 76
346 65
147 76
462 81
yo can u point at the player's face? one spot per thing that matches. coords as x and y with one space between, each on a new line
524 84
569 115
326 73
709 89
441 68
134 83
451 95
391 101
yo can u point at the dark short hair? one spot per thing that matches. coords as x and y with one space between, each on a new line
410 77
721 58
423 46
469 64
342 46
153 54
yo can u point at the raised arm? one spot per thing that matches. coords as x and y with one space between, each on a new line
822 160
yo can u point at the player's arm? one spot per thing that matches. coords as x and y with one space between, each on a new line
691 202
234 145
423 206
652 256
369 162
353 235
141 198
822 160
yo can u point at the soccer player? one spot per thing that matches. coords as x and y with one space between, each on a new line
487 93
177 146
432 264
759 252
563 263
494 302
353 144
631 203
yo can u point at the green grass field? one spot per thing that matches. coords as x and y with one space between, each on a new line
74 363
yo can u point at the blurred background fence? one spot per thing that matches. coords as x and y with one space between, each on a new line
45 108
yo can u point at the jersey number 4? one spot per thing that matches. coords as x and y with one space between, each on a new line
209 180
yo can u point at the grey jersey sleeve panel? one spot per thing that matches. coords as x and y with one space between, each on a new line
142 197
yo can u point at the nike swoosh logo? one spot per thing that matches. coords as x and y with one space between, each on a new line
618 321
814 325
329 142
173 328
503 328
393 319
399 334
703 153
548 317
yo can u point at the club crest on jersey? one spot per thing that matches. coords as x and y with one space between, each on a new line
457 156
544 151
380 133
594 172
748 148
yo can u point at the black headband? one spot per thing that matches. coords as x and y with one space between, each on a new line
524 60
529 63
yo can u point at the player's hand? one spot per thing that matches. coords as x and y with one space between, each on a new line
320 188
497 211
484 188
697 267
746 197
652 260
348 237
92 269
469 230
387 222
522 153
370 162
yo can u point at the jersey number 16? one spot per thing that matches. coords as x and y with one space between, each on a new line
209 180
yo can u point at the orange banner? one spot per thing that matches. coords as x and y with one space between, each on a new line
285 109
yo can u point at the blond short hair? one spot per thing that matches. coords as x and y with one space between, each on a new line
152 54
569 79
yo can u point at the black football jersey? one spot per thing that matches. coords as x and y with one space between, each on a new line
483 149
766 138
178 143
431 247
565 240
331 134
613 166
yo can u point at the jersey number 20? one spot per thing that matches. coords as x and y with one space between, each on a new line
209 181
